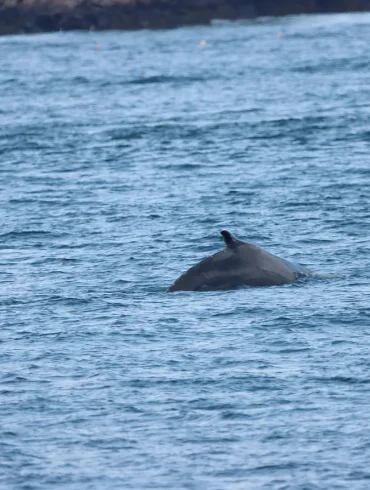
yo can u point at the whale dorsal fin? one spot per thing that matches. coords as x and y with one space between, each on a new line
230 240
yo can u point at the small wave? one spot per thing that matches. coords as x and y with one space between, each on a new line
67 300
233 415
159 79
349 380
80 80
331 65
323 276
13 235
183 166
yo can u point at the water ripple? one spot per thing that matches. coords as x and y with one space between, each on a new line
119 167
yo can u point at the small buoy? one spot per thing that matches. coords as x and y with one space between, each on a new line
97 47
280 34
203 42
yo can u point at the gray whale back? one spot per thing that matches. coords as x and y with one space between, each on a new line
239 264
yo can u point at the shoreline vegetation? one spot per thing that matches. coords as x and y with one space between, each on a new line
31 16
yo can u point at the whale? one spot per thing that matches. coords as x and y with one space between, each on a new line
238 264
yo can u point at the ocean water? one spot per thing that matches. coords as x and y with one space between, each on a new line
122 156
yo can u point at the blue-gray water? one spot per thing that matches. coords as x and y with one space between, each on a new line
119 167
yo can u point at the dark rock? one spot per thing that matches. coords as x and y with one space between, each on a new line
53 15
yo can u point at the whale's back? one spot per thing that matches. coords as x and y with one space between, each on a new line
239 264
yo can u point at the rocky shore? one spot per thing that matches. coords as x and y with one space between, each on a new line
22 16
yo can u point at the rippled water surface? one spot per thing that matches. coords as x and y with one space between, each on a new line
122 157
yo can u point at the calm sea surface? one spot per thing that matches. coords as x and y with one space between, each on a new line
122 156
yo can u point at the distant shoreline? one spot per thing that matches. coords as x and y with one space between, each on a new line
31 16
